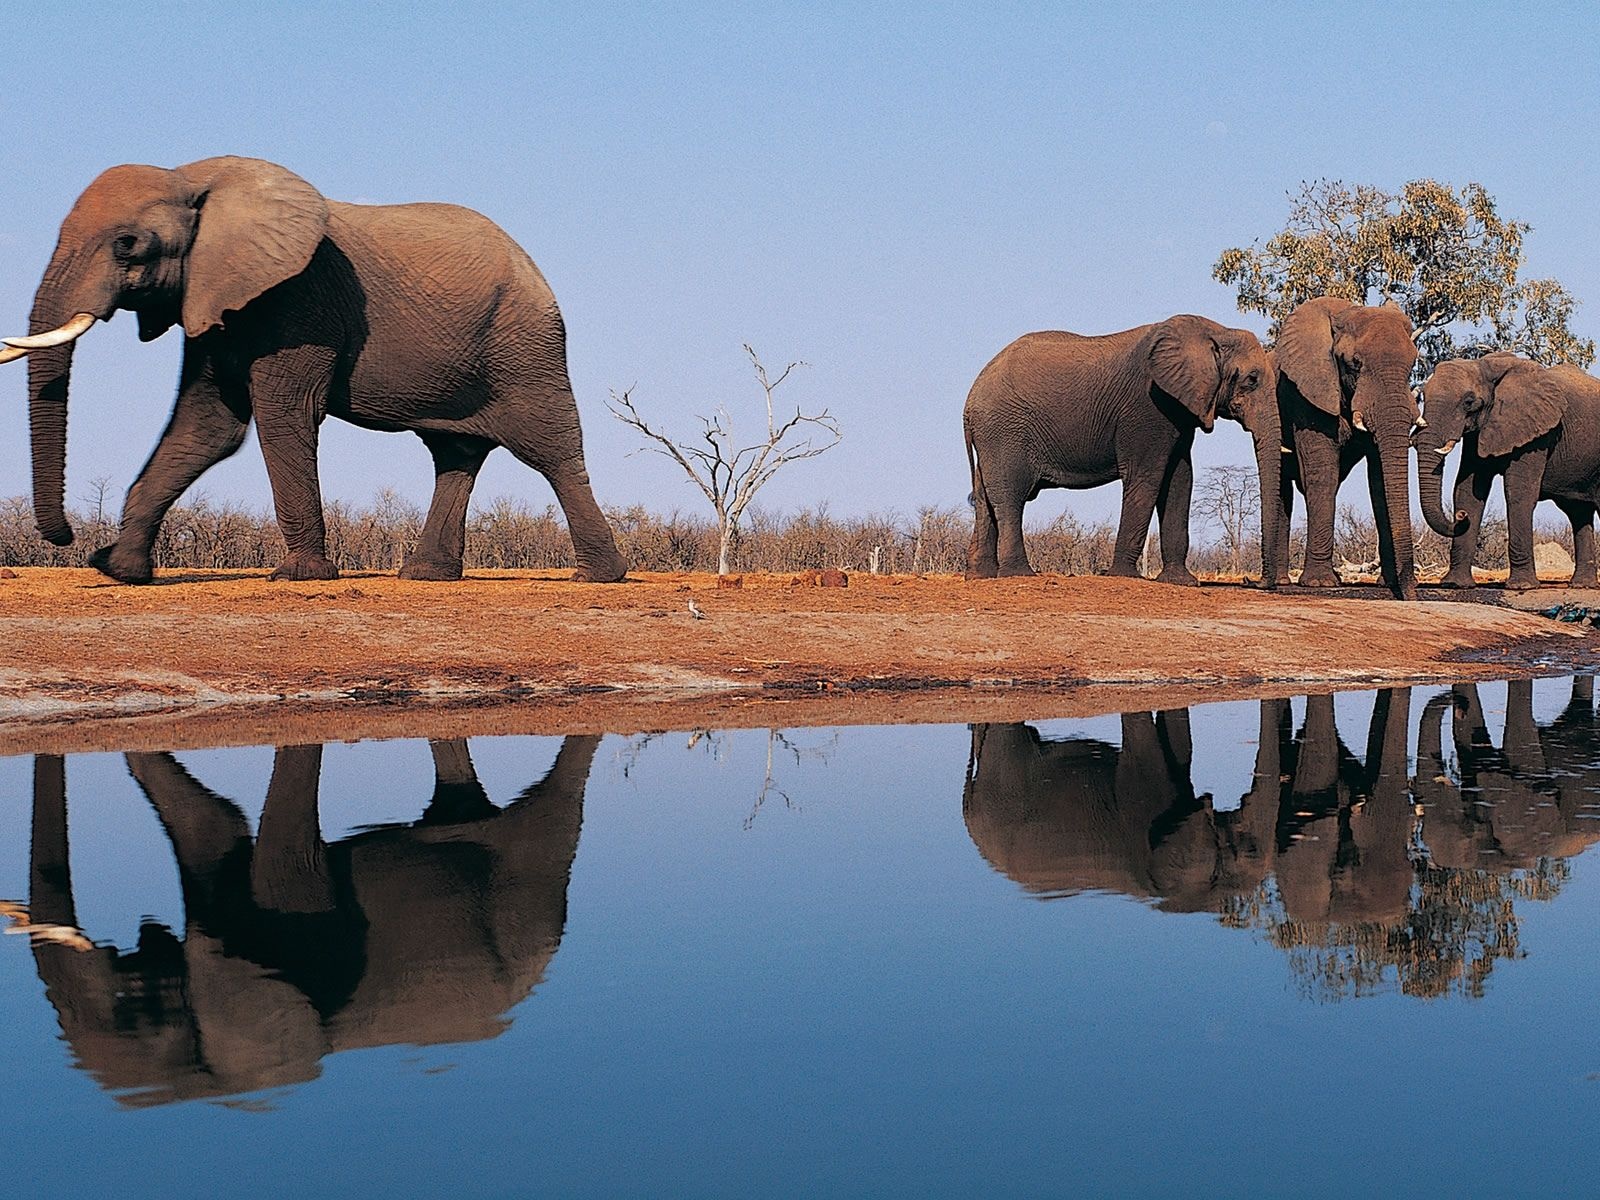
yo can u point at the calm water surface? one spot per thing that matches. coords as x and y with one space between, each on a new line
1327 946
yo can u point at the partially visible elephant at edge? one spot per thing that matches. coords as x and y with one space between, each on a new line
292 949
1065 410
419 317
1344 391
1539 428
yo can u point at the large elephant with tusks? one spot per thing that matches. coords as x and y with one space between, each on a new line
419 317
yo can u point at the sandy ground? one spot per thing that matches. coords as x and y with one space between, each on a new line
227 657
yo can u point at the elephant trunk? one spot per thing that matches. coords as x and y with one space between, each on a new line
48 374
64 293
1269 462
1430 486
1391 433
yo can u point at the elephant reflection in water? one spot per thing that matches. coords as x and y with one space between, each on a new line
1347 864
292 949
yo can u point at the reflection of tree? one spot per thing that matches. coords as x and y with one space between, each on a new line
1459 924
714 744
776 739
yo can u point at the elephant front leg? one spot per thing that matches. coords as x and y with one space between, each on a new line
1523 477
1318 458
1581 514
208 424
1470 498
1139 494
289 392
456 461
1173 502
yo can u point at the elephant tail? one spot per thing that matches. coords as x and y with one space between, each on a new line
976 497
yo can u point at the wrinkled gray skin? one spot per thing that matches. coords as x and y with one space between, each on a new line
1063 410
1340 366
420 317
292 949
1536 427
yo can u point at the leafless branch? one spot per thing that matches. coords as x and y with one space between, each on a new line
728 478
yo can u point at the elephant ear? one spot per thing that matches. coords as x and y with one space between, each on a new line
1305 352
259 225
1528 403
1184 363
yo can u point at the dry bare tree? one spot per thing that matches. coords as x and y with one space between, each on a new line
1230 498
730 475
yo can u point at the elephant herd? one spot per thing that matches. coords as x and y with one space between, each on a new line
428 318
1062 410
430 932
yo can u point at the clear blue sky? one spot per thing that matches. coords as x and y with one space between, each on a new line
888 192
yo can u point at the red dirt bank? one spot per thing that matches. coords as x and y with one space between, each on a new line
231 657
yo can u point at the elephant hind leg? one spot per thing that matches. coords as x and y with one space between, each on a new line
1005 490
540 426
456 462
983 561
1581 514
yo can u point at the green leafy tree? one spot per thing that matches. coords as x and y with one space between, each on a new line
1446 257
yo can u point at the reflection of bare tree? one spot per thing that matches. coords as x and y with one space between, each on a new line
779 739
1366 877
709 741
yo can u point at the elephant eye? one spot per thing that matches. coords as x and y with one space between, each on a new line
123 246
1250 381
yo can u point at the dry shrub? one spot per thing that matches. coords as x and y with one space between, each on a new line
509 534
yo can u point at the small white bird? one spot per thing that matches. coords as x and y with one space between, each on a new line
694 610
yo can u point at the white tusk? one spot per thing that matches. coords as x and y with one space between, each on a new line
1422 421
1285 450
70 332
1446 448
11 354
1359 422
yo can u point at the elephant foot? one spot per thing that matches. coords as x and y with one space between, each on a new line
125 566
1584 579
424 569
611 569
1406 590
1124 571
1320 577
1015 570
1521 581
1178 577
1458 579
304 567
987 571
